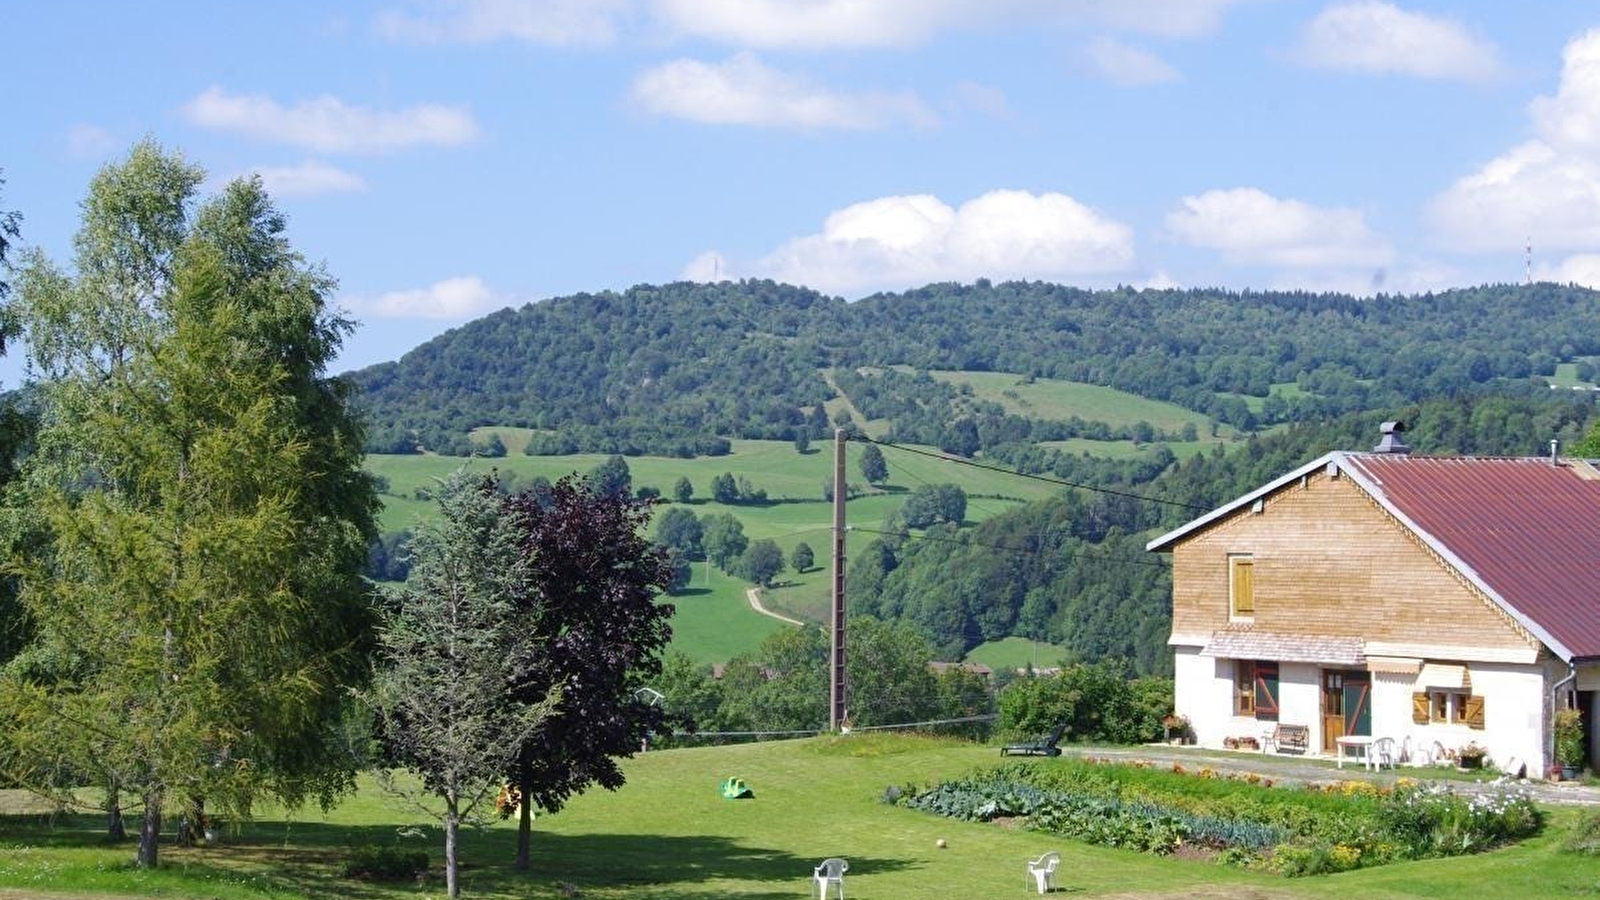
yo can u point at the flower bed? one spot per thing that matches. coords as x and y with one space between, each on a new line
1243 818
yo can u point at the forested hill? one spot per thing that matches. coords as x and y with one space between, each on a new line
668 369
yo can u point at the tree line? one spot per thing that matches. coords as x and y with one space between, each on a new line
678 369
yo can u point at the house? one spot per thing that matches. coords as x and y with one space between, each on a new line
1436 600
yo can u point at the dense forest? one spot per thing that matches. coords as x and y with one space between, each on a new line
677 369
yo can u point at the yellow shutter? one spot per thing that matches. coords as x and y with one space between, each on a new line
1244 598
1474 712
1421 708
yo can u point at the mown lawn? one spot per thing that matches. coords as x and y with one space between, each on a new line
668 834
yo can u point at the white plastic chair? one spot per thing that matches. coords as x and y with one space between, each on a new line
1042 871
1423 752
830 871
1381 753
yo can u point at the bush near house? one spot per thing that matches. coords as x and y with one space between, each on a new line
1243 818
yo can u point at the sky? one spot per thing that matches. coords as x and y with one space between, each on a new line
447 158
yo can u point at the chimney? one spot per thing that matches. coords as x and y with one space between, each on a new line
1555 452
1391 442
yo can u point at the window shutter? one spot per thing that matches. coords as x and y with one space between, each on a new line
1244 596
1421 708
1267 691
1474 712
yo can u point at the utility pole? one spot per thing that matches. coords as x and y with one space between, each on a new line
836 684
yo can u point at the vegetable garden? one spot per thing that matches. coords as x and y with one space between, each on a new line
1245 820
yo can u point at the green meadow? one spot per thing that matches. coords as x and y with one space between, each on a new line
714 620
1566 376
1055 400
1016 653
668 835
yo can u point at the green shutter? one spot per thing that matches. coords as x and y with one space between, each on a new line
1267 691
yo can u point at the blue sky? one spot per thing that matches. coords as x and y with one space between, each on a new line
451 157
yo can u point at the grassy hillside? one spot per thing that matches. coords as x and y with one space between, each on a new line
1016 653
1055 400
714 620
668 835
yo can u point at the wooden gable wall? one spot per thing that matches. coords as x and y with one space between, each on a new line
1329 561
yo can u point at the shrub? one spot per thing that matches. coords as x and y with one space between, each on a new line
1585 836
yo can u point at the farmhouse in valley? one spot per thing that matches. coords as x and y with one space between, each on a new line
1439 601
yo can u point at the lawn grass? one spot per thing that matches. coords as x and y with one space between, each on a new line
668 834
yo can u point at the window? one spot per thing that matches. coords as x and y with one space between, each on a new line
1244 687
1255 689
1241 587
1447 708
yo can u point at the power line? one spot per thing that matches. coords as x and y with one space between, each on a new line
1045 478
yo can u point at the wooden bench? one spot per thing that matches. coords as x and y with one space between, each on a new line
1289 737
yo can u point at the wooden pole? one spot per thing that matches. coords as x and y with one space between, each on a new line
836 677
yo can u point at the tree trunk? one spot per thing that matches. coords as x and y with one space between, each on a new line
116 830
525 814
452 823
150 831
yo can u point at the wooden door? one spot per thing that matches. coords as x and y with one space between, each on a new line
1332 710
1346 707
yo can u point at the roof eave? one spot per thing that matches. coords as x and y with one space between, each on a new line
1162 543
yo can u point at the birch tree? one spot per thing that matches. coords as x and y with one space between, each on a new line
196 515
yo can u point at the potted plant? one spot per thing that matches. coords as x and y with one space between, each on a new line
1177 728
1471 756
1568 728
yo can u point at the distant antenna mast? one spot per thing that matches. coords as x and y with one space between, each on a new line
1529 259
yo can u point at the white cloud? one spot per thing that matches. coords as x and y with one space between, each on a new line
1126 66
1252 227
1581 268
905 241
1158 281
785 24
327 125
549 22
311 178
90 142
1546 188
813 24
1371 36
1164 18
745 91
1571 119
461 297
825 24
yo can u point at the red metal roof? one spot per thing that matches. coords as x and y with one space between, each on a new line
1525 529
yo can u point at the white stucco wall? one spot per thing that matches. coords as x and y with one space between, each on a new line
1514 707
